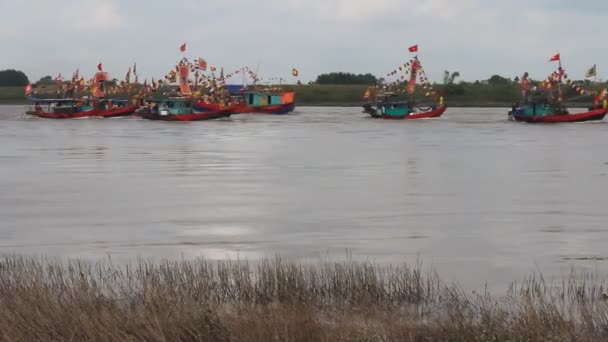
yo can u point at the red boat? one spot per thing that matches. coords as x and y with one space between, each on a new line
520 114
61 109
178 110
116 112
544 103
399 111
109 108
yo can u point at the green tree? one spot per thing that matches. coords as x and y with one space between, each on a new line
13 78
346 78
46 80
498 80
450 78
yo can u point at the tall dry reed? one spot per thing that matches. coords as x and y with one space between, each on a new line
278 300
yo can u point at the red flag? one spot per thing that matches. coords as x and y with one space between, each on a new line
555 58
99 67
413 48
202 64
183 80
183 48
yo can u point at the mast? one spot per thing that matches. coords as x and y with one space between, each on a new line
559 85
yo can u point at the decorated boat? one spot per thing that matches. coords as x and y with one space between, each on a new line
396 100
545 113
544 103
177 109
400 110
109 108
270 102
61 108
251 101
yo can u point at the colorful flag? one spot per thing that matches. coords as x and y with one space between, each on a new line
295 72
184 86
99 87
555 58
59 79
183 48
99 66
202 64
413 48
592 71
28 89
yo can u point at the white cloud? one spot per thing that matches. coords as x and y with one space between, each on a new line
477 38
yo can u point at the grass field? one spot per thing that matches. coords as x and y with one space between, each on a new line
277 300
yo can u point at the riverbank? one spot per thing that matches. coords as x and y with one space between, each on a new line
280 300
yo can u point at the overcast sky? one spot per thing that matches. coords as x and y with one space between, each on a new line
478 38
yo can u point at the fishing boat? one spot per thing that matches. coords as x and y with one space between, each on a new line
546 113
177 109
67 108
109 108
253 101
543 103
270 102
402 110
396 102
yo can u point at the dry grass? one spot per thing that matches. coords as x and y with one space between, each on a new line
276 300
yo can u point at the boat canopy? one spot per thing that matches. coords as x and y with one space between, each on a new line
40 100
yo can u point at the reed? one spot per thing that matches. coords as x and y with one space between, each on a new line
279 300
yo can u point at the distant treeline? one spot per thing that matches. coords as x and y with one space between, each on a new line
13 78
345 89
346 78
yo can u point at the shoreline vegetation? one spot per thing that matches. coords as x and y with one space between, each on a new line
317 95
279 300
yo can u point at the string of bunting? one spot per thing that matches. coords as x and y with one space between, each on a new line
402 71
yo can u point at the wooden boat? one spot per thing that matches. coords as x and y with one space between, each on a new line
179 109
544 103
253 102
270 102
109 108
533 113
61 108
396 103
402 110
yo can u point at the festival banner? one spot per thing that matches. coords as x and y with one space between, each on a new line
184 86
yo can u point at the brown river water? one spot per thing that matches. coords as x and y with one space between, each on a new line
470 194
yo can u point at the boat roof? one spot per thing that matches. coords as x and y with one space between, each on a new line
42 100
35 99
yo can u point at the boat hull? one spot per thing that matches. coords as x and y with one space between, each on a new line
594 115
122 111
285 108
47 115
435 113
196 116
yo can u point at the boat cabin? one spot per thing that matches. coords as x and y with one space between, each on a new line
171 106
59 106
